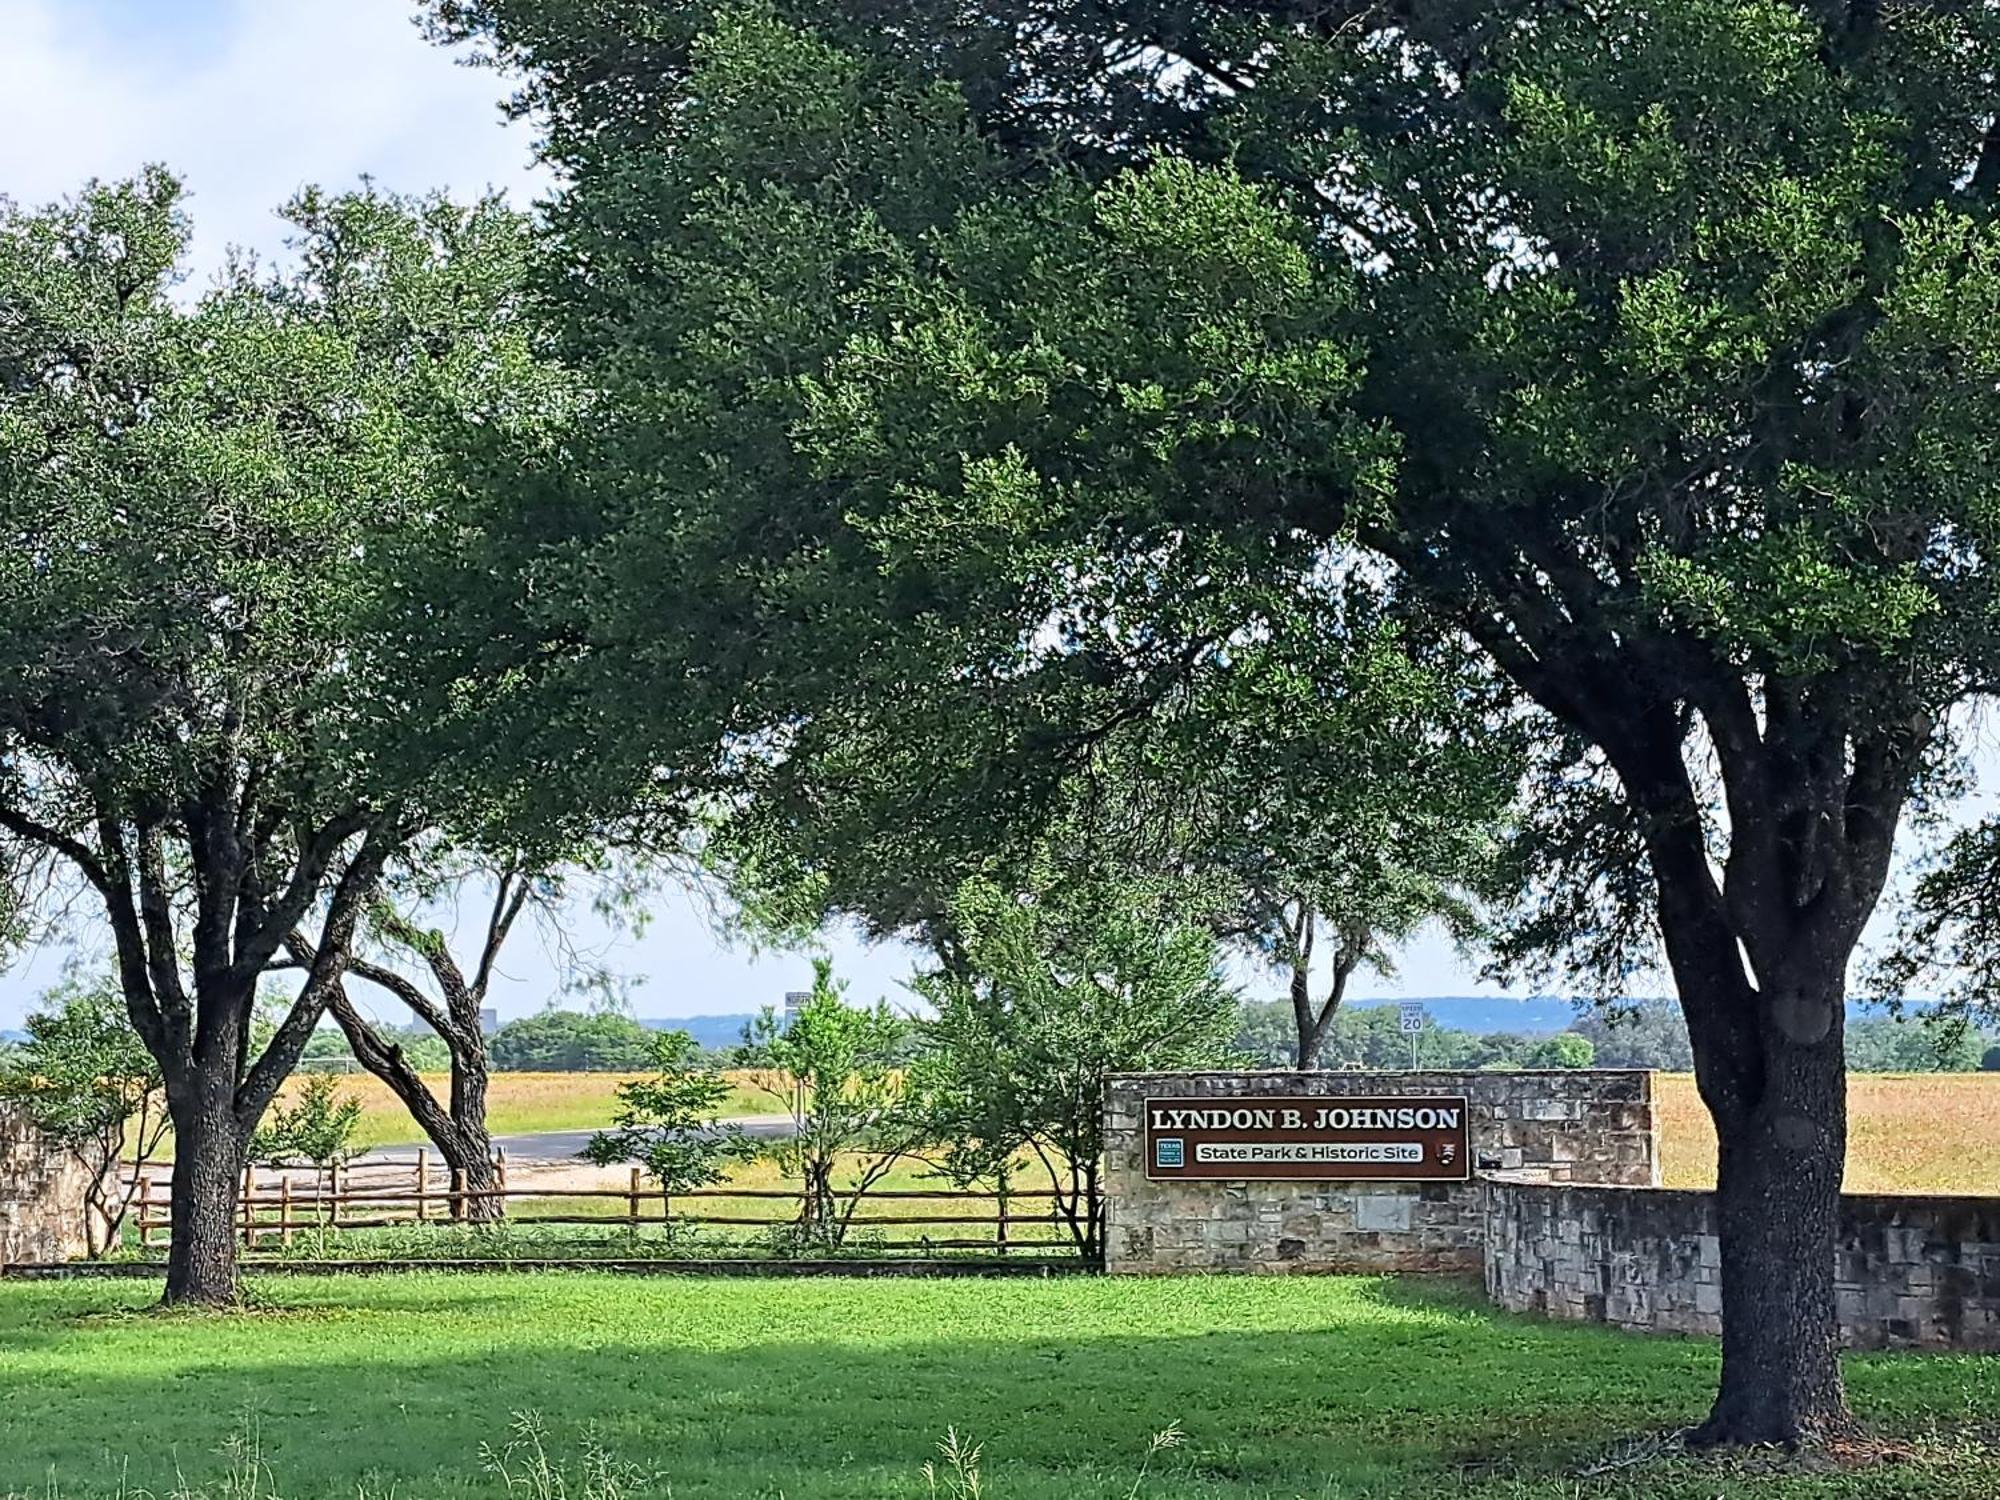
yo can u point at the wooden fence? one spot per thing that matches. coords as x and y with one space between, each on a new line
274 1208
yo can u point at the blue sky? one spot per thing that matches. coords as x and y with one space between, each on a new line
251 100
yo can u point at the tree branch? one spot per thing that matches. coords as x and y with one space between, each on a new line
74 850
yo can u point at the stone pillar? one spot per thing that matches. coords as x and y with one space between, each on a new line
42 1191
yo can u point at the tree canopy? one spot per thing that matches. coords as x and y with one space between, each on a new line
223 511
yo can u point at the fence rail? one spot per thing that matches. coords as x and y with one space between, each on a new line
275 1208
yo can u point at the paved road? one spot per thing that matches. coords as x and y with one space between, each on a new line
566 1145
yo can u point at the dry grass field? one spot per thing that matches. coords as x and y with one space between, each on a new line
1907 1133
521 1104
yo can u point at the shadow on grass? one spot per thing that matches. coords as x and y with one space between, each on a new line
825 1391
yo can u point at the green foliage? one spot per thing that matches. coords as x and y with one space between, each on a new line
1938 1042
423 1048
1055 988
1564 1050
1371 1036
837 1070
87 1082
669 1123
568 1041
82 1073
317 1126
1643 1034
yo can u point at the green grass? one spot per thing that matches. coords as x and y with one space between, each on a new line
838 1390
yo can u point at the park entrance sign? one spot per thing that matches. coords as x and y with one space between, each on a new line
1400 1138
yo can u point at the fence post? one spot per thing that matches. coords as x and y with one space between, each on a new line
333 1201
634 1201
249 1205
423 1180
145 1210
285 1210
1000 1233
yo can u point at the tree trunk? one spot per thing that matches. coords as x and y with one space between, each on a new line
458 1130
471 1162
1780 1155
471 1152
208 1171
1307 1028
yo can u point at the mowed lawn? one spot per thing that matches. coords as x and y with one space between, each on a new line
1335 1389
1906 1133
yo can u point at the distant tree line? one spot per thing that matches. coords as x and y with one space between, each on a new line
1648 1034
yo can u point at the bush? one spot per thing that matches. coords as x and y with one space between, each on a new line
669 1123
317 1127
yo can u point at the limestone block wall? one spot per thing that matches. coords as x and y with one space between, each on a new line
1563 1126
41 1195
1911 1271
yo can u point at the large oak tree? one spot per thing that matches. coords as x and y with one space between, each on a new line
1651 343
217 507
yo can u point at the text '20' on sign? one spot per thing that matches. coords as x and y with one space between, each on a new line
1411 1138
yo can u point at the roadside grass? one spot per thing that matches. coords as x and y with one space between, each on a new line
1334 1389
1906 1133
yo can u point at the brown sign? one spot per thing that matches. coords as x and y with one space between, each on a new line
1414 1136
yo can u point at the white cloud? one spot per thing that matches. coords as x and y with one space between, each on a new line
249 100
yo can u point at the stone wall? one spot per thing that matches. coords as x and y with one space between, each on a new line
1912 1271
41 1195
1565 1126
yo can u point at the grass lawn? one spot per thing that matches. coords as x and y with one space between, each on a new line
1335 1389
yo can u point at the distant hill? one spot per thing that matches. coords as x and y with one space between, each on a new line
13 1036
1541 1016
707 1031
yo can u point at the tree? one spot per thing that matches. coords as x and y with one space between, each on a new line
834 1067
317 1126
1060 987
214 649
570 1041
1651 345
670 1123
1937 1042
89 1085
1643 1034
449 1010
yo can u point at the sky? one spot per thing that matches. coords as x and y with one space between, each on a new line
251 100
